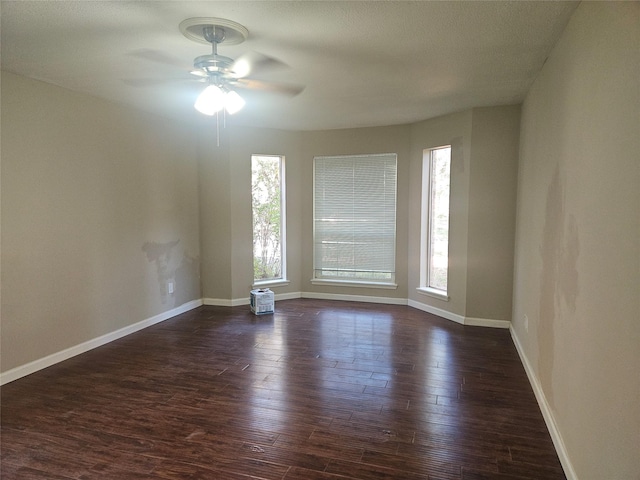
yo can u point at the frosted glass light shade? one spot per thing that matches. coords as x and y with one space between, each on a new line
213 99
233 102
210 101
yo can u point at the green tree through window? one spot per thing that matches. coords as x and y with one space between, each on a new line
267 193
435 218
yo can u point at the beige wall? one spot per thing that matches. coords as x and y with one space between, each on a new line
225 204
99 212
102 206
484 166
214 181
492 212
225 208
454 130
484 159
247 142
577 269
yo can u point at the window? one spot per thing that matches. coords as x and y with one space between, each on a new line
355 220
436 168
268 201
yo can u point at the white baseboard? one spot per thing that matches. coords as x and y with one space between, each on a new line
477 322
225 302
354 298
546 410
320 296
437 311
32 367
236 302
454 317
486 322
287 296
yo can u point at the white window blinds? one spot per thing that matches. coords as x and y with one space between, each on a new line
355 217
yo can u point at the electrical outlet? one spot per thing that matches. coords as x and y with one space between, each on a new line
526 323
170 287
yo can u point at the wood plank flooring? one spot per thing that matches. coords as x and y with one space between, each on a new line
320 390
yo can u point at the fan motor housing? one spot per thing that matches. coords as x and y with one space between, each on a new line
213 63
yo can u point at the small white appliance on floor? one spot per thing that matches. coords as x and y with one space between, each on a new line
262 301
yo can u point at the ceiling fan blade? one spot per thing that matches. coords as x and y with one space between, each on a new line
272 87
159 57
151 82
253 63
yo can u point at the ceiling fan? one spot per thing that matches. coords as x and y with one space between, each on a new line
225 74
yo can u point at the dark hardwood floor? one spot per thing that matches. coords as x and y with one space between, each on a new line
320 390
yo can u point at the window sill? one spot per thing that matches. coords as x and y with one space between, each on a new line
271 283
432 292
353 283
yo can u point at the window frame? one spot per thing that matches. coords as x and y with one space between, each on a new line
426 225
282 279
354 281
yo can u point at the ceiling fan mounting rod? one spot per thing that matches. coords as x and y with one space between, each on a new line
214 63
214 35
210 30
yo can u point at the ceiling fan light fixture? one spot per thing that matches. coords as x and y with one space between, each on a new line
233 102
211 100
222 72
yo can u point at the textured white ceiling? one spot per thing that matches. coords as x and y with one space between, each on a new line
364 63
